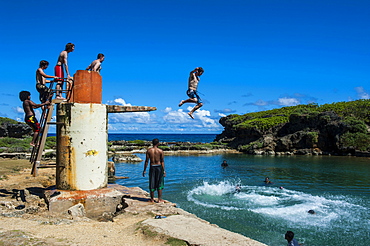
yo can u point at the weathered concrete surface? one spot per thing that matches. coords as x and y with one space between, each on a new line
127 109
82 146
179 223
197 232
96 203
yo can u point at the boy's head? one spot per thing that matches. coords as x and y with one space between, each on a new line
23 95
289 235
200 71
155 141
69 47
44 64
100 56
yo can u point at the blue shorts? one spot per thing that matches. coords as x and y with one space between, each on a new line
194 94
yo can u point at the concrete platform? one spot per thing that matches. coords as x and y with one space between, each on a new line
197 232
96 203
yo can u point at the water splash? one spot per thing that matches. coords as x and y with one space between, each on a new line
283 204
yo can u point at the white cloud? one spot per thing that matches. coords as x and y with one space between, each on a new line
167 110
164 120
176 117
18 110
221 115
203 116
362 93
121 101
286 101
261 103
133 117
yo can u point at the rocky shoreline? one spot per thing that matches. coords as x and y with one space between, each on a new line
25 219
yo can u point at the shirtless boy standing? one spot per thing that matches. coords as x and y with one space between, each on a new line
30 118
96 64
62 64
156 170
193 82
45 92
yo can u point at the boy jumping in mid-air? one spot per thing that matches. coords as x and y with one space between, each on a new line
45 92
193 82
30 118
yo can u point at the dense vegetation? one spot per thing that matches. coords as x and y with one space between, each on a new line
351 121
4 120
263 120
13 145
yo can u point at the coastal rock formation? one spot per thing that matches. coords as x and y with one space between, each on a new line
123 157
17 130
302 129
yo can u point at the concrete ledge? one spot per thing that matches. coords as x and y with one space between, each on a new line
96 202
127 109
197 232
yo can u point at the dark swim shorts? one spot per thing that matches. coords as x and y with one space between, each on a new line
44 92
32 122
156 179
194 94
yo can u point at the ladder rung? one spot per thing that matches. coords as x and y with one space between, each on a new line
55 123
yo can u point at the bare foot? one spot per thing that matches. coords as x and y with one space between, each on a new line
151 200
191 115
161 201
181 103
32 144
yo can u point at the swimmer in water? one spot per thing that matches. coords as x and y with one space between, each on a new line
267 180
237 189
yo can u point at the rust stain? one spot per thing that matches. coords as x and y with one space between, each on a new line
87 87
66 166
82 195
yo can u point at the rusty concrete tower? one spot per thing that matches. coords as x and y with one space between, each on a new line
82 134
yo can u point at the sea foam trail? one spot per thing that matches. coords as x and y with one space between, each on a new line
284 204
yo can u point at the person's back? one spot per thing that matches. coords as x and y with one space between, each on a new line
157 171
155 155
27 107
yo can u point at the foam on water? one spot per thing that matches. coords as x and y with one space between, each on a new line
283 204
211 195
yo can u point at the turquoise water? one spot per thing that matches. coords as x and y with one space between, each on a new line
194 138
337 188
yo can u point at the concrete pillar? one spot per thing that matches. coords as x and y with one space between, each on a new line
82 136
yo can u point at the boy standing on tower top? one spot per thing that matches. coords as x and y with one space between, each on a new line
62 64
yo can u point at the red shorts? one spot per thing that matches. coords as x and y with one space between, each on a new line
58 70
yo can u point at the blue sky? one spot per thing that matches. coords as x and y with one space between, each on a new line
257 55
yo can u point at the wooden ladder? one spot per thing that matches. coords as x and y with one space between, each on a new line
41 139
45 121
